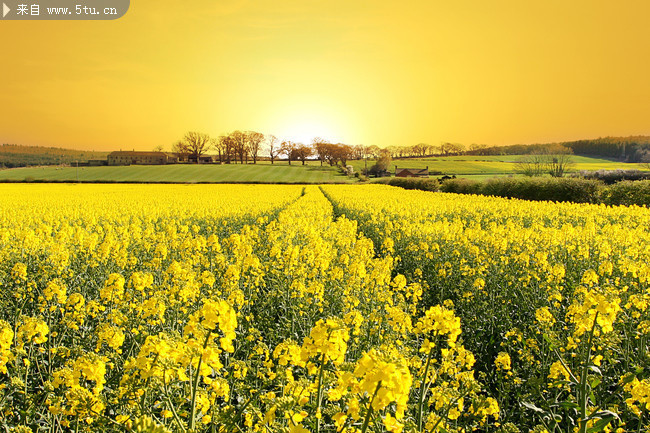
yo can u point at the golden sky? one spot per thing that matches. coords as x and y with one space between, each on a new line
355 71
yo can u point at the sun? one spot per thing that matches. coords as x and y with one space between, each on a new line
304 127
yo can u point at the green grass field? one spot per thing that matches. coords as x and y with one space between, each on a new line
488 166
475 167
254 173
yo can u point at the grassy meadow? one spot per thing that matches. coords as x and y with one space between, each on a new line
488 166
474 167
262 172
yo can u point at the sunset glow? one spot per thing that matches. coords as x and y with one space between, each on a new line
357 72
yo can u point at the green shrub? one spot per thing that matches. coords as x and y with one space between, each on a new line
527 188
545 189
613 176
461 186
628 193
413 183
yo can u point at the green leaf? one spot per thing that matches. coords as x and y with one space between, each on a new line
568 405
532 407
594 382
603 414
629 377
595 369
600 425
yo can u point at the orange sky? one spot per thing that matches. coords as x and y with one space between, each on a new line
355 71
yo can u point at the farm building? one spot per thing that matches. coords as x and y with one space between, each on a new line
411 172
133 158
188 157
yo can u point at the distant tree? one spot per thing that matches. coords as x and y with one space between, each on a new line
255 140
225 147
178 147
531 165
274 147
421 149
380 167
302 152
340 152
451 149
373 151
384 160
558 163
158 148
645 159
288 148
195 144
321 147
394 151
240 145
216 145
358 151
476 148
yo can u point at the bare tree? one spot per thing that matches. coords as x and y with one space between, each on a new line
195 144
178 147
476 147
558 164
288 148
240 145
340 152
321 148
219 146
274 148
420 149
225 147
394 151
373 151
303 151
254 143
531 165
451 148
158 148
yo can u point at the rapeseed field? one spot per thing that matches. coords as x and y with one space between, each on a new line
267 308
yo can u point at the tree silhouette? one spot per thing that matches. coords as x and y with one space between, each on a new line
195 144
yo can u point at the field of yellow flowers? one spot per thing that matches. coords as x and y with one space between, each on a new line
268 308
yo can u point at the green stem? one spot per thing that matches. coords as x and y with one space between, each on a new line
367 419
320 392
196 382
169 403
582 392
566 367
638 430
146 384
422 386
449 406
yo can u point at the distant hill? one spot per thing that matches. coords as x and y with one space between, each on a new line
15 155
629 149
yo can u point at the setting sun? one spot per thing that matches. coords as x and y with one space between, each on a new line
304 127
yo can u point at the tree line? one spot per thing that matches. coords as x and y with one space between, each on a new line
248 146
629 149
